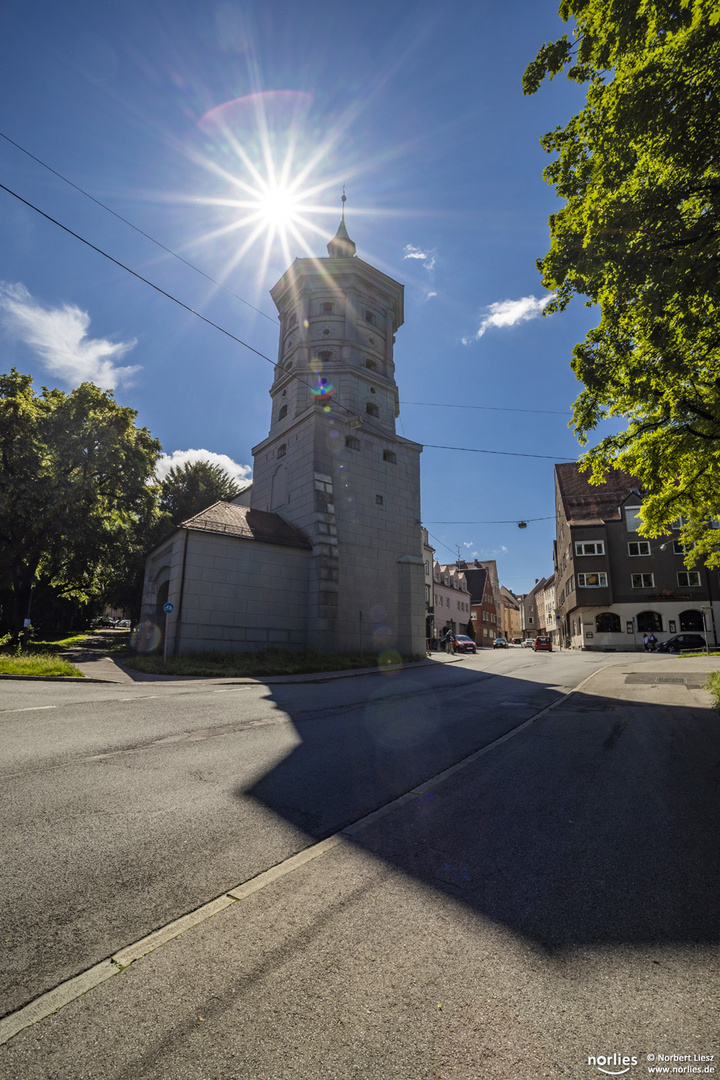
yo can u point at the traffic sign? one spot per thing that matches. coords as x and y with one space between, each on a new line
168 608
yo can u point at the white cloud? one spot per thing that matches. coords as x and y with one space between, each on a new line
59 337
509 313
180 458
427 257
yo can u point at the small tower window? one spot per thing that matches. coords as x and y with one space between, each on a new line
372 409
327 309
371 365
352 443
389 455
379 500
370 317
325 355
292 319
283 412
282 450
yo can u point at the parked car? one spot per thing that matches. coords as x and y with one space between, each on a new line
463 643
528 643
682 641
542 644
516 641
500 643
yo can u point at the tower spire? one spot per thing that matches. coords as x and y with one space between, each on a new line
341 246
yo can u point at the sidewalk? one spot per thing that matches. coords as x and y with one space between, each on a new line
453 935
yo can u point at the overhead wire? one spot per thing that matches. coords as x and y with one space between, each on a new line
135 227
245 344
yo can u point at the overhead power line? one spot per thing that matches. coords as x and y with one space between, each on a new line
485 408
502 453
136 228
504 521
245 344
135 274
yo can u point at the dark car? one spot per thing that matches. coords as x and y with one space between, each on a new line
543 644
500 643
681 642
463 643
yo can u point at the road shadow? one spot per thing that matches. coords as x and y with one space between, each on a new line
595 826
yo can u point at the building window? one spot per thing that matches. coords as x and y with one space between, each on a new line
379 500
632 521
570 585
282 450
427 567
608 623
592 581
649 622
642 581
371 409
679 548
325 355
639 547
389 455
689 579
585 548
371 365
370 317
327 309
352 443
292 319
283 412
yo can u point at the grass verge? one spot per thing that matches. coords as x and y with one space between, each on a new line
266 662
31 663
713 685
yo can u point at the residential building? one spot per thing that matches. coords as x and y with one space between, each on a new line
510 616
532 610
484 607
612 585
451 600
485 601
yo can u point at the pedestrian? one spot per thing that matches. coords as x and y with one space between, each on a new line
646 643
652 642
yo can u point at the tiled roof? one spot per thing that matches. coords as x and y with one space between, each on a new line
232 520
592 504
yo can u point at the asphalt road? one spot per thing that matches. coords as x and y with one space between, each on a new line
593 831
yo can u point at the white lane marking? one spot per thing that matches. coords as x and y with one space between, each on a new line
29 708
68 991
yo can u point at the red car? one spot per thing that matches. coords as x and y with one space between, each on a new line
463 643
542 643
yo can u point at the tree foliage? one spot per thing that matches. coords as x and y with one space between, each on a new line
74 493
639 236
190 488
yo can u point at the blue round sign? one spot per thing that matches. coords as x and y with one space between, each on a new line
168 608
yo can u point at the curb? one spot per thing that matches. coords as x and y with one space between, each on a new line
320 676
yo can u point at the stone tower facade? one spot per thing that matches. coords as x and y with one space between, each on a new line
333 464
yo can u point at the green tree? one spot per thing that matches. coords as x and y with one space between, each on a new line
188 489
75 493
639 236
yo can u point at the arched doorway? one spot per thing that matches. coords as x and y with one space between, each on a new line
691 620
649 622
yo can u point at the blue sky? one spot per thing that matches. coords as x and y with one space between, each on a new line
170 113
